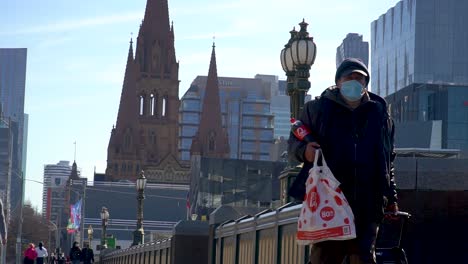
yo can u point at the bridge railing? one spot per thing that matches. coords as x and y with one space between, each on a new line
189 239
267 237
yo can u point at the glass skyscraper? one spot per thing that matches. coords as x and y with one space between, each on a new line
419 41
246 115
353 47
12 91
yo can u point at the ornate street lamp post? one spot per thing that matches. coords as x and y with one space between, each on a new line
139 234
90 235
297 57
105 219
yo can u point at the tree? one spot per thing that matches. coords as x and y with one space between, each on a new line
35 230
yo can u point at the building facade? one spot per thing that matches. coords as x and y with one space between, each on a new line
246 116
12 91
6 156
145 135
409 44
353 47
53 193
431 116
234 182
164 206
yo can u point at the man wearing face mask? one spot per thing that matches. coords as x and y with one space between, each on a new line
352 127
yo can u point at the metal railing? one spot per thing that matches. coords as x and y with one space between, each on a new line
153 252
268 237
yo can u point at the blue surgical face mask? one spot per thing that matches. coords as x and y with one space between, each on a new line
352 90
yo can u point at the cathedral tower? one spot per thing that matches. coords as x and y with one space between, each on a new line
145 136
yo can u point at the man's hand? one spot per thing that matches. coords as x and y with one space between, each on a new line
309 153
4 241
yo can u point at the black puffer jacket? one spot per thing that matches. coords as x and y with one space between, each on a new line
358 147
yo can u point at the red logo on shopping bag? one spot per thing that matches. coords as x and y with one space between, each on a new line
313 199
327 213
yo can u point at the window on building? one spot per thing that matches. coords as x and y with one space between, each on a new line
127 141
164 107
152 104
116 167
142 105
211 141
211 146
153 138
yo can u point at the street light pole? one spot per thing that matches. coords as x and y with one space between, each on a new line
139 234
297 57
104 218
90 235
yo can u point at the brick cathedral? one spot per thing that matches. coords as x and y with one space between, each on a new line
146 134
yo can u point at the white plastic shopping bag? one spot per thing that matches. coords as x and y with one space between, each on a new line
325 212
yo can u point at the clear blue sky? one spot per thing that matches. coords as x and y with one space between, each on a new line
77 52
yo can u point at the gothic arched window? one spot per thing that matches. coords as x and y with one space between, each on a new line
127 141
211 141
152 104
164 106
142 105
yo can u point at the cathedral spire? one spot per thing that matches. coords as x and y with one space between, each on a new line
155 52
211 139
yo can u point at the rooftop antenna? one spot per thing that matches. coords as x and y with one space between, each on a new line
74 158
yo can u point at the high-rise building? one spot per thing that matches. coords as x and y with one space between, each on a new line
409 44
246 116
6 156
145 136
353 47
420 65
53 193
12 91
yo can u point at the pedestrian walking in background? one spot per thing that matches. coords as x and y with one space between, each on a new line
30 254
88 254
75 253
41 253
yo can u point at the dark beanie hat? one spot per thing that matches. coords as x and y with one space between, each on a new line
350 65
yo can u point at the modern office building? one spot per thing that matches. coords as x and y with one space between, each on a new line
410 45
12 91
353 47
431 116
6 156
234 182
420 65
53 193
246 116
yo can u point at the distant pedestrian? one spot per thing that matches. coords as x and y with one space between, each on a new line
30 254
61 258
75 253
52 259
88 254
3 227
41 253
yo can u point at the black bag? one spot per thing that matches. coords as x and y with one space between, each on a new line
388 247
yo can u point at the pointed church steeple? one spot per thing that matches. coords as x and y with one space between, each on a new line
155 51
145 136
211 139
74 172
128 104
